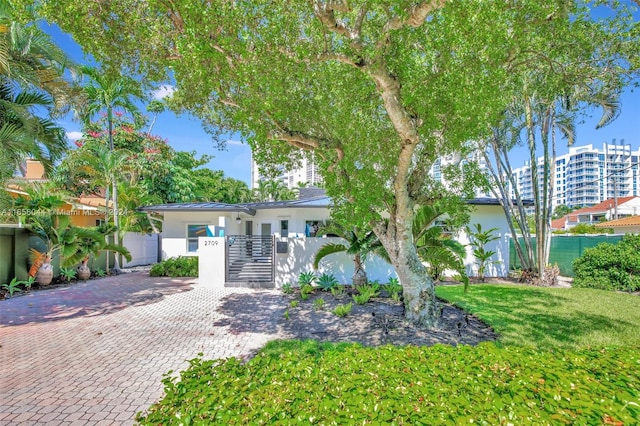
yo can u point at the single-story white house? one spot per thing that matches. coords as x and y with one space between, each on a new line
268 244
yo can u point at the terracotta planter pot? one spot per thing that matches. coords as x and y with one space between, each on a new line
84 273
44 276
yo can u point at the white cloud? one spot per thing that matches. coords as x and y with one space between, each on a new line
74 136
164 91
234 142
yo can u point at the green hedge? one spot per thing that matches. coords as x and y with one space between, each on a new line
311 383
181 266
610 266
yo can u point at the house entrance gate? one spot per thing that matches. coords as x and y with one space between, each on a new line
249 261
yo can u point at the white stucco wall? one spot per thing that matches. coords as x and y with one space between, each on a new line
489 217
630 208
300 255
211 261
143 248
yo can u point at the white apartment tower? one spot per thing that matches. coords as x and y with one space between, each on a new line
307 173
436 171
586 176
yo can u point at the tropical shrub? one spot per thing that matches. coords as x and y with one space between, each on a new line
12 287
338 292
306 278
68 274
305 291
327 281
318 304
583 228
313 383
394 288
342 310
181 266
287 288
479 240
610 266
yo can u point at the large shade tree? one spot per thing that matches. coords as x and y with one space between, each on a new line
378 90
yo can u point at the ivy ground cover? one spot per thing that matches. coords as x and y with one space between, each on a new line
311 383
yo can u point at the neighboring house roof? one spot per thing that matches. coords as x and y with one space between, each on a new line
558 223
627 221
602 207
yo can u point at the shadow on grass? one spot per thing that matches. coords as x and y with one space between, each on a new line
90 298
532 316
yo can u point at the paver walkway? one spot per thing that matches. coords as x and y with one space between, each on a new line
95 353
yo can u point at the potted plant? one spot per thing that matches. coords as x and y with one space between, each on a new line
90 242
41 269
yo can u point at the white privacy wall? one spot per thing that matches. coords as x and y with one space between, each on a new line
300 255
143 248
489 217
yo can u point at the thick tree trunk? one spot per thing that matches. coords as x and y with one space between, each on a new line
420 302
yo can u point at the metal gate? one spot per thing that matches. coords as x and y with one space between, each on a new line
249 260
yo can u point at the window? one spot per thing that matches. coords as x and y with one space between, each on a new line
284 228
193 233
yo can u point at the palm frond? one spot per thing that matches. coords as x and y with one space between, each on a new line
326 250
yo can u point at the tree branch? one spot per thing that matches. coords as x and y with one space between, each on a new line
415 15
325 13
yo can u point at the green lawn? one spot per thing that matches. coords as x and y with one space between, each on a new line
549 318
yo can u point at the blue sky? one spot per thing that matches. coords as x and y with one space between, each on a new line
185 133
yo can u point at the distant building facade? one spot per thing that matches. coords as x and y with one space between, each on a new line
308 173
587 175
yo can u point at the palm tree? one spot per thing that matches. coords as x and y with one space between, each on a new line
104 167
106 93
438 250
261 192
359 244
31 81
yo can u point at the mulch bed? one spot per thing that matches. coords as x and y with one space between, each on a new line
379 322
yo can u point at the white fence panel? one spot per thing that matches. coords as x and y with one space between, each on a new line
143 248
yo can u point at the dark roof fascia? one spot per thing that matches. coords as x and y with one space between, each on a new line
494 202
303 203
199 207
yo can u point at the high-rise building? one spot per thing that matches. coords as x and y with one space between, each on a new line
436 171
307 173
586 175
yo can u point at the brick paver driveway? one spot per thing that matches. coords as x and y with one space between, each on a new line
94 353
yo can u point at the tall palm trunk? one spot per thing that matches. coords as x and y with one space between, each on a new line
114 185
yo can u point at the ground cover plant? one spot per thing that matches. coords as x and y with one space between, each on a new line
295 382
549 318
